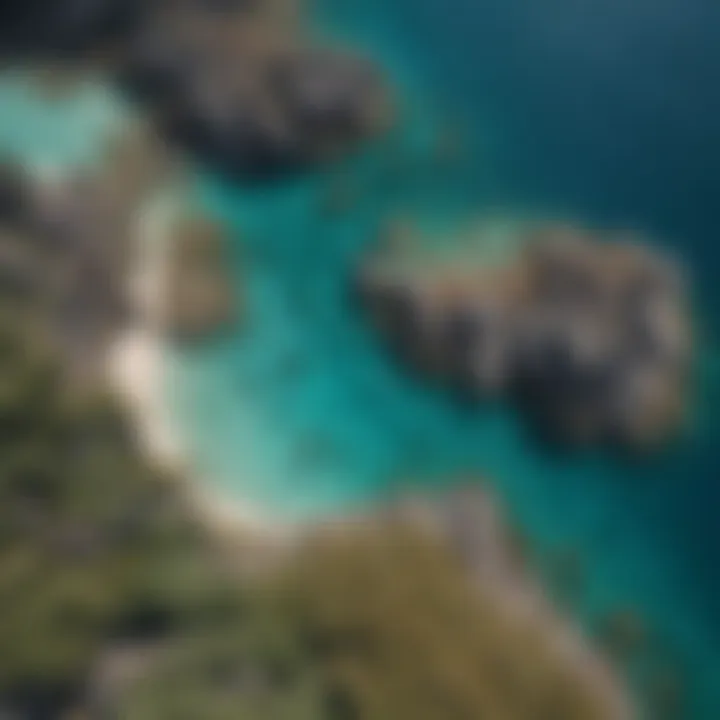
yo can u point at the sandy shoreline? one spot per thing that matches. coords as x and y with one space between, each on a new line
137 365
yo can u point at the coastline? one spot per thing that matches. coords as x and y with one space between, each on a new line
471 523
136 369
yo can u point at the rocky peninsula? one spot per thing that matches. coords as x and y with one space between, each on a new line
428 563
242 84
250 92
589 334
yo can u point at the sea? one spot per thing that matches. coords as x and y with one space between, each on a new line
600 112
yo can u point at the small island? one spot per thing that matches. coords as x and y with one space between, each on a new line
589 334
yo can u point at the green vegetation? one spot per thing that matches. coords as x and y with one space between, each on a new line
85 525
377 624
100 561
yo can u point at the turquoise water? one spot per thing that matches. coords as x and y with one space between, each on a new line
55 133
595 111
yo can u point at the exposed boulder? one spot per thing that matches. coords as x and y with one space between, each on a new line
201 298
249 95
591 335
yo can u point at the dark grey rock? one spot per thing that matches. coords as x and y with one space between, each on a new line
246 107
590 337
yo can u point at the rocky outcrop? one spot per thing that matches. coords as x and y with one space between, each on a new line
237 81
65 243
249 93
64 27
201 299
61 267
590 335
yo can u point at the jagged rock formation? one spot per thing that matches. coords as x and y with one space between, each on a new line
591 336
248 92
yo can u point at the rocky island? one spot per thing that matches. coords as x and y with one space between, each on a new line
590 334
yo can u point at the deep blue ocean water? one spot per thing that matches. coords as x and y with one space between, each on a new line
605 112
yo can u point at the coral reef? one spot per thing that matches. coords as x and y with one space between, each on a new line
591 335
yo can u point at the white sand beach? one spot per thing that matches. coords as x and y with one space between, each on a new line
137 365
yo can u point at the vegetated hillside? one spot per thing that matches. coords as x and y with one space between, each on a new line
114 602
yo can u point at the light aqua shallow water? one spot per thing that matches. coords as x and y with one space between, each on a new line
66 131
